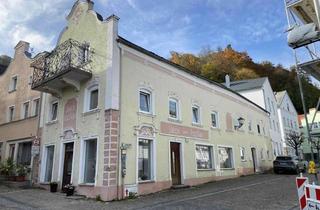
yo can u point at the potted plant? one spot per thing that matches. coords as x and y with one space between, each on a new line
53 187
69 189
7 168
21 172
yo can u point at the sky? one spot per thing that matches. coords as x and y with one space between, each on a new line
160 26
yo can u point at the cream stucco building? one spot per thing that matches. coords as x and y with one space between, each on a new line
119 119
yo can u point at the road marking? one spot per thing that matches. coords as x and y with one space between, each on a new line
167 203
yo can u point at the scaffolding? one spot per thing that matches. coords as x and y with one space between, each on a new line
304 36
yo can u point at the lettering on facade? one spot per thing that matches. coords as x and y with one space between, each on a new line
70 113
178 130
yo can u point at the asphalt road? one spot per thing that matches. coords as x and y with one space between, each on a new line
252 192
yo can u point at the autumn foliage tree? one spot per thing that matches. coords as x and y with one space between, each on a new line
215 64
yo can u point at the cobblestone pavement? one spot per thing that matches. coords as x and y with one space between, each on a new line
252 192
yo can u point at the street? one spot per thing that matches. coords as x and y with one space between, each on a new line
265 191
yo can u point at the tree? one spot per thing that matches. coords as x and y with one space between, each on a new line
294 141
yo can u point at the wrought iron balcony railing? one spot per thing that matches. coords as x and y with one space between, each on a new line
69 56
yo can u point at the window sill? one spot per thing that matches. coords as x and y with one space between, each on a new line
197 125
174 120
227 169
147 114
86 185
243 160
209 169
52 122
90 112
11 91
146 182
215 128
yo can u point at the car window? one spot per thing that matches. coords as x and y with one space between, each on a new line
283 158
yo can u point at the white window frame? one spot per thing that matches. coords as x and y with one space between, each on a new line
242 153
177 108
232 159
13 113
83 157
199 114
50 112
217 119
23 110
262 154
34 107
211 146
11 87
153 160
151 100
44 165
87 98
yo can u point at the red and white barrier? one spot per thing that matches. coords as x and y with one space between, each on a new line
301 182
312 193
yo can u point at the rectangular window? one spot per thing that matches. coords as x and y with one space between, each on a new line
12 151
24 153
94 95
250 125
13 84
214 120
145 102
90 160
173 108
11 114
25 110
261 154
144 159
258 128
195 114
54 111
225 157
204 157
36 106
49 163
242 153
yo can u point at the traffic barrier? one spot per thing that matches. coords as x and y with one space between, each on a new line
312 193
301 182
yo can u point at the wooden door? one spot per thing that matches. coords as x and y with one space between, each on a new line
175 163
67 165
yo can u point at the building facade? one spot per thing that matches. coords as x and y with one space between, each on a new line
20 108
288 119
315 133
260 92
118 119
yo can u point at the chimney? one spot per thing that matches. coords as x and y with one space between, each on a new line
90 4
227 81
21 48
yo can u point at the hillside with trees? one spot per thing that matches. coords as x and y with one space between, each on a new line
214 65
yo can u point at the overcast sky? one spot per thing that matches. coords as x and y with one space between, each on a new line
161 26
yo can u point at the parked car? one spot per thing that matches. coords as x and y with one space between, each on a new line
288 164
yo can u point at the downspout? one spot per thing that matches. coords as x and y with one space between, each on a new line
119 125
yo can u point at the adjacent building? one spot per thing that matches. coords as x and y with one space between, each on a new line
260 92
314 116
119 119
288 119
19 108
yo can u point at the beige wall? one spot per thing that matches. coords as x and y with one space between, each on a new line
140 71
19 128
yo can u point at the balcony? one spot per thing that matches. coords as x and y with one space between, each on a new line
305 10
66 66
